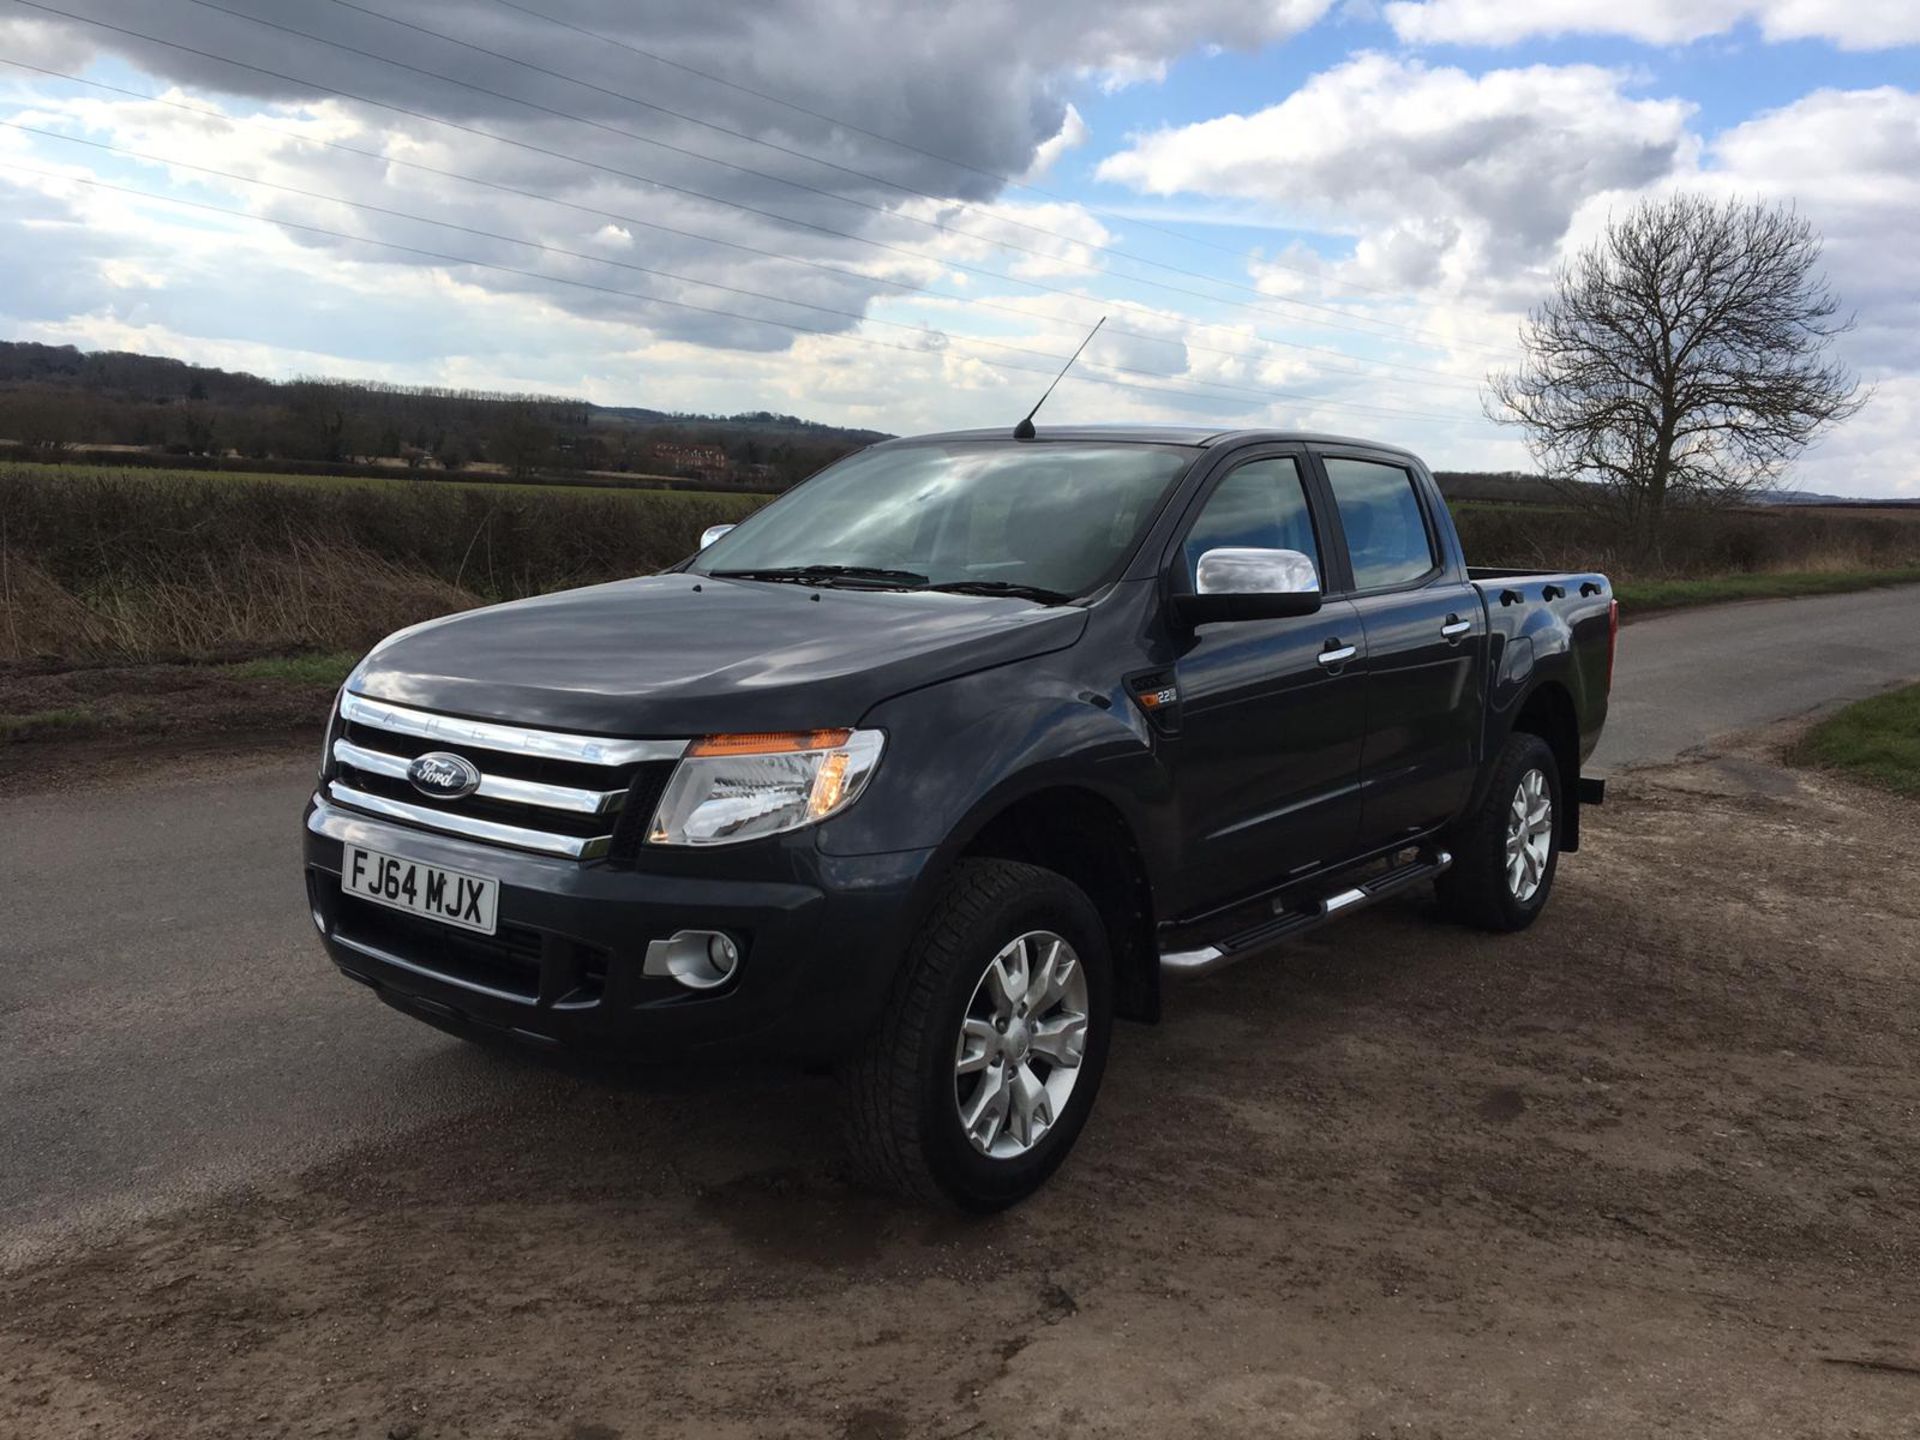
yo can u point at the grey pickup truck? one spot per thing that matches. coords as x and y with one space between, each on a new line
948 758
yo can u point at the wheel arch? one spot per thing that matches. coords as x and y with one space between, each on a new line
1086 836
1548 712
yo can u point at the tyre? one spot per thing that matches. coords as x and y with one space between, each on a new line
984 1066
1506 852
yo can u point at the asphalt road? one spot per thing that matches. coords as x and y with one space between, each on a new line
170 1030
1682 679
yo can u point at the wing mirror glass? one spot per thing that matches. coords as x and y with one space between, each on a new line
1236 583
712 533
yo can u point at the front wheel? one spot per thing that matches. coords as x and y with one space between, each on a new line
984 1066
1506 852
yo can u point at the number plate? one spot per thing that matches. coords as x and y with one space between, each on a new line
449 896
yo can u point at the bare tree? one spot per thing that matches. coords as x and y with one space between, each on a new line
1685 358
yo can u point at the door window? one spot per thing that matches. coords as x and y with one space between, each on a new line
1387 536
1262 505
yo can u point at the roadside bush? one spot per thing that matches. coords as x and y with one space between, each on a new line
132 567
1693 544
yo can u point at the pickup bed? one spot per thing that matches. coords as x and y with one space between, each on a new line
944 760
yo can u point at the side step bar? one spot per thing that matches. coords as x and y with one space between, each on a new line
1205 959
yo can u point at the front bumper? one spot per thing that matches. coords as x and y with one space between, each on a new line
820 935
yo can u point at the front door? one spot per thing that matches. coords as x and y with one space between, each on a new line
1267 758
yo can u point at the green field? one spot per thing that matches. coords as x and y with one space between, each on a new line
1875 740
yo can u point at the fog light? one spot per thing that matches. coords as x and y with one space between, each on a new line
698 959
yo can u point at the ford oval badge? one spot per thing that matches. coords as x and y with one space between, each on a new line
444 776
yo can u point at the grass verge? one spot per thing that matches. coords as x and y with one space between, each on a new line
47 724
328 669
1641 596
1875 740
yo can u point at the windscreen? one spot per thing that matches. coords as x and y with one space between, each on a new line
1052 516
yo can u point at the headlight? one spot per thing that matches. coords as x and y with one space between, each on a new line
730 788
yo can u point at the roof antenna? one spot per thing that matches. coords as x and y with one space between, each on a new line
1024 430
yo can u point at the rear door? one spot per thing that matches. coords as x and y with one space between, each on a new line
1267 758
1425 639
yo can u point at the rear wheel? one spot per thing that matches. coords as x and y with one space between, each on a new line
984 1067
1505 853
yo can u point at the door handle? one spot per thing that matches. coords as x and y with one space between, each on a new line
1338 655
1455 627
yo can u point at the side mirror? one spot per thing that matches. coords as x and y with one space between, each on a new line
712 533
1246 584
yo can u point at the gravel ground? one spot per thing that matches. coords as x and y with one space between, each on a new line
1649 1168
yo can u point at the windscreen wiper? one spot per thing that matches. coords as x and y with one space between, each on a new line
1002 587
825 575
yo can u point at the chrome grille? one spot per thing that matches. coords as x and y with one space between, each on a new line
541 790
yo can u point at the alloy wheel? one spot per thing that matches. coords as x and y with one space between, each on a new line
1529 835
1021 1042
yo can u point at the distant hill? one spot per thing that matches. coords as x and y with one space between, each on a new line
55 398
1814 497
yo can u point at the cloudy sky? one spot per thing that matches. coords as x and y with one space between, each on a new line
903 215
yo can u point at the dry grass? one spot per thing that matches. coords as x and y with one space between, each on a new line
145 567
247 602
1695 545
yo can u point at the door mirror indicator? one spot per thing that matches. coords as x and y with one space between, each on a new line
712 533
1248 584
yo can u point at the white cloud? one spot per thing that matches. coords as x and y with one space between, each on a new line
1072 134
1850 161
1434 166
1851 24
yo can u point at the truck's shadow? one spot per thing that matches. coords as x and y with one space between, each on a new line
756 1150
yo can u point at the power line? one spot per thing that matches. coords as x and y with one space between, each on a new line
1442 377
1011 181
797 154
1387 327
1261 393
1187 392
668 185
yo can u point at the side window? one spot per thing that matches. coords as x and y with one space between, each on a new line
1380 511
1262 505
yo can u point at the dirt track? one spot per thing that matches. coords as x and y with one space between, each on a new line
1650 1168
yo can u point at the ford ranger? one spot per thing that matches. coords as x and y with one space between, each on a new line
948 758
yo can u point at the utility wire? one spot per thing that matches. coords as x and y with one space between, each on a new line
211 112
788 150
1011 181
1386 328
1187 392
668 185
478 233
